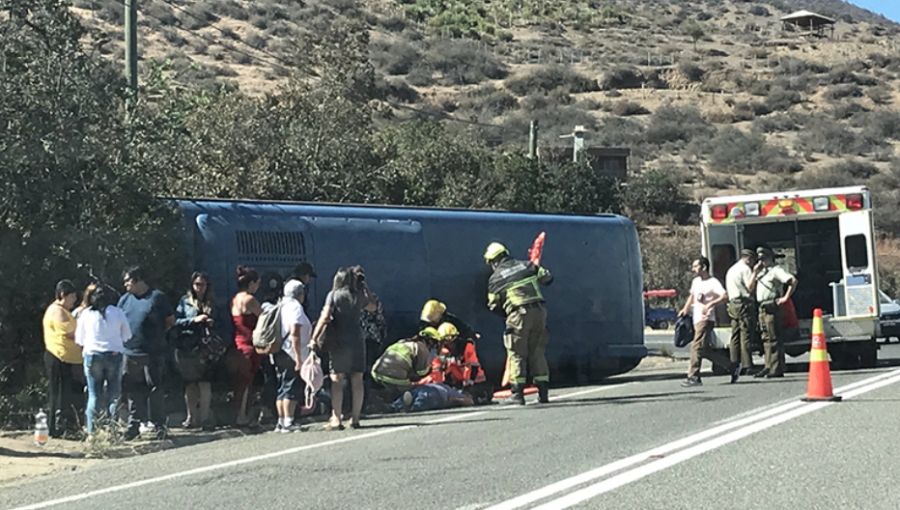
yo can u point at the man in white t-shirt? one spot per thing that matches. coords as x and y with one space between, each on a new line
706 293
295 330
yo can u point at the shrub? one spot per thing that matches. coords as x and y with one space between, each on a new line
654 192
490 101
621 78
421 75
161 12
393 24
229 8
692 71
881 95
395 58
666 259
628 108
847 109
858 170
199 17
743 112
174 38
879 125
834 139
677 124
112 12
775 123
835 92
257 41
743 153
781 100
463 63
224 71
396 89
759 10
550 78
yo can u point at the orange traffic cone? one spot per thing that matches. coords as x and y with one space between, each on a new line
819 387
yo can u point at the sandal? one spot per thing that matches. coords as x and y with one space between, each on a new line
333 426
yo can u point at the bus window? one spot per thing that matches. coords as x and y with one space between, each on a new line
857 252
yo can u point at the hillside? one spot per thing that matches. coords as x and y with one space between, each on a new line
714 92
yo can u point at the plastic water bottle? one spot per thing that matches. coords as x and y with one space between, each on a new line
41 430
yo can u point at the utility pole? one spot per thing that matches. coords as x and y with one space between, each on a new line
131 45
533 140
577 137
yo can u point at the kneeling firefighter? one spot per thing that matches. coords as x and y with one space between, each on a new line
461 367
405 362
514 292
435 313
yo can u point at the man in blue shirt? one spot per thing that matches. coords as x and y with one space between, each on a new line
150 316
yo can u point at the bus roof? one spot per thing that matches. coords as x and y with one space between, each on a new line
778 195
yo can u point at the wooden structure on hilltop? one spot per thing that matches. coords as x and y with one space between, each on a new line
809 23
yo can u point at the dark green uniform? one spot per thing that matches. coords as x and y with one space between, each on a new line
769 285
514 289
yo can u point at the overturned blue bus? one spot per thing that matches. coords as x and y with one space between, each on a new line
595 307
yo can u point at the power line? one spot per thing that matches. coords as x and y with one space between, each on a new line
209 39
223 31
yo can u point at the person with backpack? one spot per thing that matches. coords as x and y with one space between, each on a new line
197 320
283 332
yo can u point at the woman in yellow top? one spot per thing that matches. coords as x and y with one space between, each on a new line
62 360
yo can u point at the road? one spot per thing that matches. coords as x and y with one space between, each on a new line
638 442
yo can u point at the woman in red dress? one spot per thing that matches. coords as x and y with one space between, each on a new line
245 312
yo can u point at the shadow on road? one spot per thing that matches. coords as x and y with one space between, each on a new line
33 455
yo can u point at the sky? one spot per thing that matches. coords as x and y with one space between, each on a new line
889 8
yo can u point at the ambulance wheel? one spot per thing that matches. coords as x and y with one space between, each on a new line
662 325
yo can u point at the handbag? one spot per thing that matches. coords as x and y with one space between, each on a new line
211 346
326 341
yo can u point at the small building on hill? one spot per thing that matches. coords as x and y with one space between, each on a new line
609 161
809 23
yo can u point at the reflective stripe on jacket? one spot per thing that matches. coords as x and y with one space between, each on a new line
402 363
516 283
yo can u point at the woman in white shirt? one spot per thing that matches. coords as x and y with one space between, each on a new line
102 332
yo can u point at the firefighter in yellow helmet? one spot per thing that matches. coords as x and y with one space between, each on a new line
405 362
435 313
514 291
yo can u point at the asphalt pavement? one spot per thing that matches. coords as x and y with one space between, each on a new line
639 441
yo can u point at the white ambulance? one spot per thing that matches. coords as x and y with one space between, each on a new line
826 238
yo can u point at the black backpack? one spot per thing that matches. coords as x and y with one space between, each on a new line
684 330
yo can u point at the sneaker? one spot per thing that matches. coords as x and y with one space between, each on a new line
736 373
147 427
690 383
279 428
407 400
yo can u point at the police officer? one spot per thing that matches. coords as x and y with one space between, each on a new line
740 283
769 284
513 291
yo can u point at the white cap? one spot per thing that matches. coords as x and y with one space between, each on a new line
293 288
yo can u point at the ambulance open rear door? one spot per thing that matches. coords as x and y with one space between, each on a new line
856 296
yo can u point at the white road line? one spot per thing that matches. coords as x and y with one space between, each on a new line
215 467
608 469
638 473
585 392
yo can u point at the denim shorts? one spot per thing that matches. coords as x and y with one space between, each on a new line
290 386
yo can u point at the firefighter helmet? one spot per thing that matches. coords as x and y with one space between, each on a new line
433 311
448 332
494 250
430 333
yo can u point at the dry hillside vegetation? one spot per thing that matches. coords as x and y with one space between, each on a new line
714 93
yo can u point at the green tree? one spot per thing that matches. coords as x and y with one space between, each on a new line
72 207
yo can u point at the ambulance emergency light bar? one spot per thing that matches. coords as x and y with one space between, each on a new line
853 202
